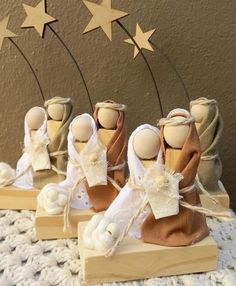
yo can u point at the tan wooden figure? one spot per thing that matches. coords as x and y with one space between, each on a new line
110 119
107 119
59 116
209 126
55 113
122 217
175 137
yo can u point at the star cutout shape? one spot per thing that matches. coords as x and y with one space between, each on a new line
142 39
37 17
4 32
103 16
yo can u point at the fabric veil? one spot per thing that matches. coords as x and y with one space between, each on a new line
24 163
129 200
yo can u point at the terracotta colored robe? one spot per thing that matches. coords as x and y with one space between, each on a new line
188 226
102 196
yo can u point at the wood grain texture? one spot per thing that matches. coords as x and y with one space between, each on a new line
137 260
18 199
51 226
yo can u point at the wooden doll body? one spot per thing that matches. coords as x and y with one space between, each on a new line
55 112
107 118
105 135
175 137
181 147
172 156
111 132
209 125
54 122
52 128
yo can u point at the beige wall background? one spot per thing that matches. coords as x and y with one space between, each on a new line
198 36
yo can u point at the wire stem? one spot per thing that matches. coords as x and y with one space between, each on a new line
147 64
76 64
30 66
174 69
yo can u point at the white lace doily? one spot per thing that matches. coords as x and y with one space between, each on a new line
24 261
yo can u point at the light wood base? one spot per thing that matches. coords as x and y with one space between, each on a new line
137 260
18 199
222 197
51 226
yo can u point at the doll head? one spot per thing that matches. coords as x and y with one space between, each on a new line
146 144
201 108
56 111
35 118
109 114
108 117
82 129
175 134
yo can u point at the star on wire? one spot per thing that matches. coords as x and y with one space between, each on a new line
37 17
4 32
103 16
142 40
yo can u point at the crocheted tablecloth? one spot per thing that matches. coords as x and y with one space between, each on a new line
24 261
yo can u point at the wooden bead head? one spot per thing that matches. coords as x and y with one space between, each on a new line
108 117
199 112
146 144
35 118
56 111
82 129
175 136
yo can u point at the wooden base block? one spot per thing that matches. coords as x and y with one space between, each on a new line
137 260
223 201
51 226
18 199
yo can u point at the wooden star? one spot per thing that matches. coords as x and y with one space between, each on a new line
142 39
37 17
103 16
4 32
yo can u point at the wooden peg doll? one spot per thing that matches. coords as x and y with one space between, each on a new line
87 162
110 120
143 152
159 205
60 112
35 134
35 157
188 226
59 117
209 127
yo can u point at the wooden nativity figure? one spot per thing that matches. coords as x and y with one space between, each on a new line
44 155
209 126
94 162
159 205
